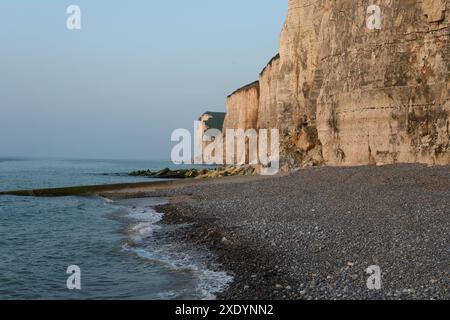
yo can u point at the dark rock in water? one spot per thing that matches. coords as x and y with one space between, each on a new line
162 172
141 173
196 173
167 173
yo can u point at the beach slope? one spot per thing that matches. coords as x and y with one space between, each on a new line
313 233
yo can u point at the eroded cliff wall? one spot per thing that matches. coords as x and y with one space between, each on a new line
344 94
268 86
242 108
385 97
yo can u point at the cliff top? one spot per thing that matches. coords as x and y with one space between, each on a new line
246 87
276 57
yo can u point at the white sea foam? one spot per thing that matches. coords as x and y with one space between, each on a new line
176 256
210 282
107 200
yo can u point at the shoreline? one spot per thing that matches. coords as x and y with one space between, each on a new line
115 189
311 234
227 254
146 238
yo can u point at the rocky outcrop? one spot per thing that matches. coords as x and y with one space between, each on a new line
343 94
169 174
219 172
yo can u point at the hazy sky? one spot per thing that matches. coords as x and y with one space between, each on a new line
136 71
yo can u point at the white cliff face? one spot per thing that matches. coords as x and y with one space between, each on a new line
342 94
268 86
385 95
242 108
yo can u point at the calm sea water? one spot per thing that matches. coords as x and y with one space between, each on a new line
120 248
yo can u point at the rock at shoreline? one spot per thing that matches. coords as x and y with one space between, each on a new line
167 173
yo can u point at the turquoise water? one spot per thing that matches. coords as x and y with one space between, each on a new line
121 249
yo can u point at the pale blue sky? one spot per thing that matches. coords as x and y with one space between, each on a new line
135 72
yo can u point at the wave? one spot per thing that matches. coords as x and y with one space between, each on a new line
149 240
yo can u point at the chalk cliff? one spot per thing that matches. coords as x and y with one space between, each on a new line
268 86
242 108
343 94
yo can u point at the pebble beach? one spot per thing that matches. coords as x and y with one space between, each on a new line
312 234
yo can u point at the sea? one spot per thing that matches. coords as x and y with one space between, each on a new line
120 248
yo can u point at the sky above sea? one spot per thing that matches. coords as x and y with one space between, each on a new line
134 72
